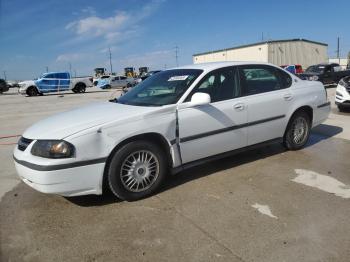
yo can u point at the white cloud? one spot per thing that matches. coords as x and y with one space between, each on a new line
155 60
72 57
111 28
89 10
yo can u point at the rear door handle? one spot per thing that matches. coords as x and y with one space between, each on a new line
239 106
288 97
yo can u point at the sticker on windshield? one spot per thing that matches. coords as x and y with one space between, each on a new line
178 78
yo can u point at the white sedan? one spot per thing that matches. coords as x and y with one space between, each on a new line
176 119
107 82
342 95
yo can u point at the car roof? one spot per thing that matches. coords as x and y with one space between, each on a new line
216 65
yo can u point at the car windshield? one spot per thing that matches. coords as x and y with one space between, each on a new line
163 88
315 69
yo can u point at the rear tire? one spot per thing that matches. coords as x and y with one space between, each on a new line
32 91
298 131
137 170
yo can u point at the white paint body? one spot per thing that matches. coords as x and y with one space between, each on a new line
95 130
23 86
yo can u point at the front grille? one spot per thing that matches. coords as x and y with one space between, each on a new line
23 143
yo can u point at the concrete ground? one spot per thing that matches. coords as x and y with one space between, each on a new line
262 205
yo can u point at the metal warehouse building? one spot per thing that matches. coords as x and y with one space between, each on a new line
278 52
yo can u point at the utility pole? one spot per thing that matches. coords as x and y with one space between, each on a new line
70 69
177 55
47 69
262 36
110 59
5 75
338 51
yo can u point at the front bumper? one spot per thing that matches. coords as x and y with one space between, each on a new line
22 90
342 96
69 179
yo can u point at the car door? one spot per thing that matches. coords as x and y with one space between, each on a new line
328 75
114 81
217 127
123 81
63 81
268 98
48 83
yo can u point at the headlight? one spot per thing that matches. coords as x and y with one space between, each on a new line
53 149
313 78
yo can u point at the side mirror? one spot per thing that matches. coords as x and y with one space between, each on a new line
199 99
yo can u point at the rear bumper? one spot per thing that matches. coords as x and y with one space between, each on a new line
321 113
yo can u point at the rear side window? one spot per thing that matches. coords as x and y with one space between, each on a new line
50 76
256 79
62 76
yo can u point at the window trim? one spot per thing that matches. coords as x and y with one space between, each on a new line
237 82
277 72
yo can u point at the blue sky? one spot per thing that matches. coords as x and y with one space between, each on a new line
39 33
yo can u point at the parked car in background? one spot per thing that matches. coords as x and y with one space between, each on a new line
150 73
342 94
55 82
176 119
111 81
3 86
145 76
326 73
12 84
294 69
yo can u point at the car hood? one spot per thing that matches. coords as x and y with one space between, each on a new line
67 123
28 82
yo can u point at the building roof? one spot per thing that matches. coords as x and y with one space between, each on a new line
261 43
215 65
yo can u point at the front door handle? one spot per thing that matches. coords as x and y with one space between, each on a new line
288 97
239 107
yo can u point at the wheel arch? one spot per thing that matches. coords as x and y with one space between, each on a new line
79 84
307 109
150 136
32 86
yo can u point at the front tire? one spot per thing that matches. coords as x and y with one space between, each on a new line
298 131
341 108
32 91
79 88
137 170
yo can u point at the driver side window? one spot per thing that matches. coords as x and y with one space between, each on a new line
220 84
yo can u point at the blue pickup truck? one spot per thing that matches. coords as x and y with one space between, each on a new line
54 82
